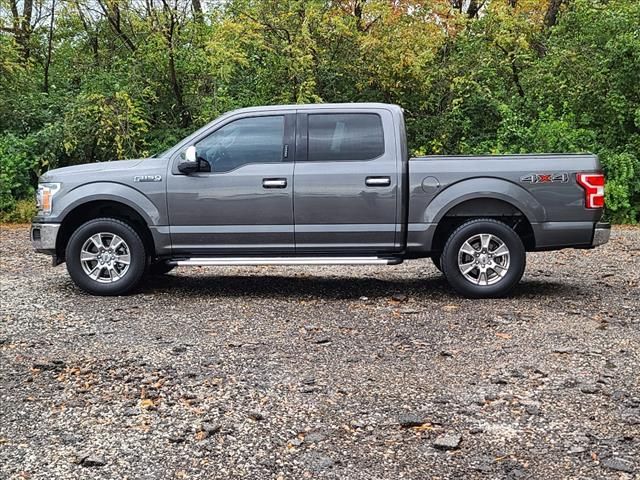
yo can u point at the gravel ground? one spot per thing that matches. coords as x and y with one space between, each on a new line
333 372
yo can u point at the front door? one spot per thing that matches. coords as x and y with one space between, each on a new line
240 202
346 182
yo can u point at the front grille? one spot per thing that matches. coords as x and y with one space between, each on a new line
35 234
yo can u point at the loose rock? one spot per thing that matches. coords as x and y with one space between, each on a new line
590 388
314 437
619 464
317 462
209 428
449 441
91 460
408 420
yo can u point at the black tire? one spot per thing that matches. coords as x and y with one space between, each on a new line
159 268
103 285
514 269
436 261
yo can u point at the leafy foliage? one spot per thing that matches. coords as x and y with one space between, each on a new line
17 164
104 127
93 81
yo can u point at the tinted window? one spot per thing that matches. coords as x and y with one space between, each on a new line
345 136
247 140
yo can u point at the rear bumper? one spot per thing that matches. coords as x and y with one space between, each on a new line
44 236
559 235
601 234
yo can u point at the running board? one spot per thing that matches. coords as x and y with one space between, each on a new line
221 261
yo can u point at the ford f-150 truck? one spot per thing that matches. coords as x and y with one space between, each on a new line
316 184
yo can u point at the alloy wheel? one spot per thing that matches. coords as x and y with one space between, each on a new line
483 259
105 257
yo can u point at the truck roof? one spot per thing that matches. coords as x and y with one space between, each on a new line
315 106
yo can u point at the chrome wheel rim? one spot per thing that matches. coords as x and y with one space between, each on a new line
105 257
484 259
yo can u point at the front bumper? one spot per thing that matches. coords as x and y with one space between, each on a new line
601 234
44 236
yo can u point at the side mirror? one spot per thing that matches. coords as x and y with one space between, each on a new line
189 163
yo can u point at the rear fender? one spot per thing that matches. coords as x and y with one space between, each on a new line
484 188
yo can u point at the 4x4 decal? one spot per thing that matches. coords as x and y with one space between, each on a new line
545 178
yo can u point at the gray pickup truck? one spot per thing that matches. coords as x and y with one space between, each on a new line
316 184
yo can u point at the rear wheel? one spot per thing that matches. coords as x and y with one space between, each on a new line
483 258
105 256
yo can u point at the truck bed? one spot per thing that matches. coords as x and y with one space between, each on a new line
543 188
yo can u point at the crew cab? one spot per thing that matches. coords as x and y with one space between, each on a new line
316 184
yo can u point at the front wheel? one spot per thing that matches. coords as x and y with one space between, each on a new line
105 256
436 261
483 258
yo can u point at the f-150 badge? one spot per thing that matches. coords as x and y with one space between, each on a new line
147 178
545 178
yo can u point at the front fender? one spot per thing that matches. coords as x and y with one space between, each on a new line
485 187
112 191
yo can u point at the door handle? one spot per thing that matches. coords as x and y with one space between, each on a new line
274 183
378 181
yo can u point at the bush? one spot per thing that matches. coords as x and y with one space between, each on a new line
17 167
623 186
23 211
105 127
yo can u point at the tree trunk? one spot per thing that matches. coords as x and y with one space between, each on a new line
47 62
474 8
170 29
22 27
92 36
185 116
197 10
113 17
551 17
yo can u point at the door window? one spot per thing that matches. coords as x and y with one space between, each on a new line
243 141
345 136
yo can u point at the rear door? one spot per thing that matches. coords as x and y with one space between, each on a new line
345 181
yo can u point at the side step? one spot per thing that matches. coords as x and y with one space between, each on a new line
220 261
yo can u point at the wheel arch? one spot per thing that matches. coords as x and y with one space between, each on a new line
490 188
83 212
483 207
109 191
488 197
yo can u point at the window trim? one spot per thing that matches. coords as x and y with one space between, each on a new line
305 138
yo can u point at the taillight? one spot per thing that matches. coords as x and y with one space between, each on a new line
593 184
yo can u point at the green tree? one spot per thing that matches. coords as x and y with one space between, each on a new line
93 81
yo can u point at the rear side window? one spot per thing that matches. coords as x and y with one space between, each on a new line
345 136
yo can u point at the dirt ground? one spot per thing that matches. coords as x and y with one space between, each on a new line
322 372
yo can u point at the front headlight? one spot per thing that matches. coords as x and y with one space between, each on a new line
44 198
